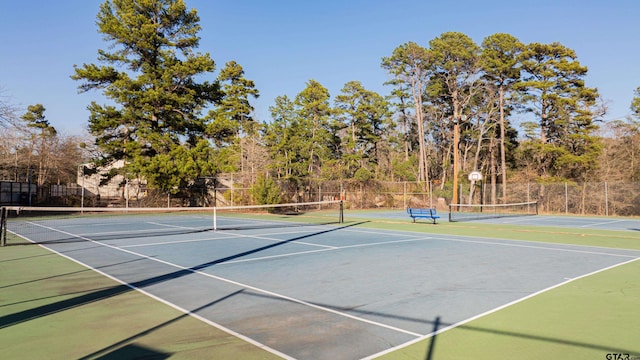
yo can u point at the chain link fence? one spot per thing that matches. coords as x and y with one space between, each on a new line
590 198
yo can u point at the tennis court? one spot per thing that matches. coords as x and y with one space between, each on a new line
578 222
565 221
318 290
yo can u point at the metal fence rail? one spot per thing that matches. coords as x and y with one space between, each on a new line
590 198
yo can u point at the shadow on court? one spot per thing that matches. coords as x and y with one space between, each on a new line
65 274
121 350
438 324
27 257
44 310
122 235
133 351
115 236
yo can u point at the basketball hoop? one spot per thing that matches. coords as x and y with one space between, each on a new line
475 176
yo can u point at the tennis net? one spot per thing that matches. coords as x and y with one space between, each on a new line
58 224
466 212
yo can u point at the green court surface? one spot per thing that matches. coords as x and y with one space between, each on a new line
54 308
586 319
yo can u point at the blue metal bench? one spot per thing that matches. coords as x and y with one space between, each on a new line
426 213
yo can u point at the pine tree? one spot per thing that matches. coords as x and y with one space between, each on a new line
150 73
554 89
42 140
501 66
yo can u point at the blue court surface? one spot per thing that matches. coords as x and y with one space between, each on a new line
335 291
599 223
577 222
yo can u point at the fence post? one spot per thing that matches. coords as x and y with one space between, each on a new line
231 190
430 195
606 199
404 194
566 199
82 190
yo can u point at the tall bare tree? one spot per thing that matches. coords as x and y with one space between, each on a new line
410 64
456 69
501 66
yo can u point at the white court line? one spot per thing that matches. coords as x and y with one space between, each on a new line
237 283
140 230
112 223
187 228
453 326
301 231
325 247
282 240
235 236
276 256
551 248
510 220
552 221
171 242
170 304
482 240
383 232
232 236
603 223
176 226
322 250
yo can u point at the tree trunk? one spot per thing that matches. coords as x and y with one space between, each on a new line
492 166
422 160
503 161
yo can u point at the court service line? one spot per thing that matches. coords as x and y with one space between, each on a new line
305 230
176 226
515 219
253 223
281 240
231 236
172 242
540 247
603 223
237 283
486 313
138 231
384 232
321 250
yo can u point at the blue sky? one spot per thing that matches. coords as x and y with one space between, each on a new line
282 44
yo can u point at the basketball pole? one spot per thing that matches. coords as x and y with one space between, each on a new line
456 141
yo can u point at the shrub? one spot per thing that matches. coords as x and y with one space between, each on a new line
266 191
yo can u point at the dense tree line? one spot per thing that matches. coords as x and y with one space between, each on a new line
451 110
33 151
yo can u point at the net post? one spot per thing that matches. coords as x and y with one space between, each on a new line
3 226
215 219
341 214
